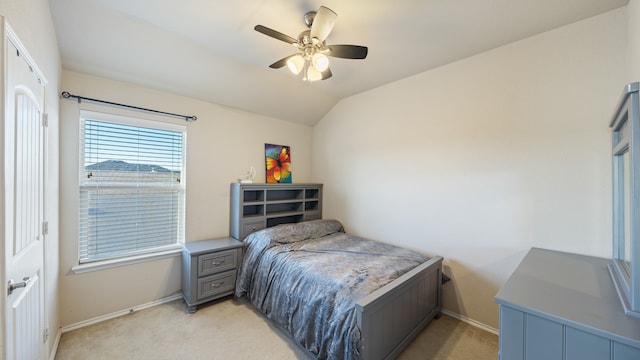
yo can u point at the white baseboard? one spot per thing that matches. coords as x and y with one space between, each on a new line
471 322
54 349
116 314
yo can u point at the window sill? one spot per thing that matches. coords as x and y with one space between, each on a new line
113 263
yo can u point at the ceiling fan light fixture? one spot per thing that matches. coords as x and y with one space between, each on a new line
320 61
295 64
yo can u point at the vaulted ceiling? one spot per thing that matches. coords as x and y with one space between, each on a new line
208 49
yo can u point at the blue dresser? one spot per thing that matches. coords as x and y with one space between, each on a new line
564 306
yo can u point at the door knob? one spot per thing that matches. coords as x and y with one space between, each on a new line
12 285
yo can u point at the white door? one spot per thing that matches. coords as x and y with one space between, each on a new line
24 150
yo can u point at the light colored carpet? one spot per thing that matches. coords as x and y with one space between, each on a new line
233 329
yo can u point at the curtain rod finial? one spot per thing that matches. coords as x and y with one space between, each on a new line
66 95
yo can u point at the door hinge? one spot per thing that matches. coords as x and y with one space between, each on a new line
45 228
45 119
45 335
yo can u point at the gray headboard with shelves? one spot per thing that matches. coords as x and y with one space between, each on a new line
257 206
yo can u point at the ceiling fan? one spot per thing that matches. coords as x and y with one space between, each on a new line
312 60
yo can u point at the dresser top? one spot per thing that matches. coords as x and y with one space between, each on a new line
573 289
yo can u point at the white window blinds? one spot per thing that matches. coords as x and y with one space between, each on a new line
131 186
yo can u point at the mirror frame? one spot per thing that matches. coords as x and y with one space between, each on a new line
624 269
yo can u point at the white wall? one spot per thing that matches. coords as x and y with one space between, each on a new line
481 159
633 43
32 23
221 146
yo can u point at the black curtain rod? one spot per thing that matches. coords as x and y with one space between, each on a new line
66 95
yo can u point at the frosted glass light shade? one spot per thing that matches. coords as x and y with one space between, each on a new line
320 62
313 74
295 64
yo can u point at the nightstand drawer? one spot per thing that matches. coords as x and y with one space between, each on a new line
217 262
216 284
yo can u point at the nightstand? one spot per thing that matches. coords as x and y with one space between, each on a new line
209 269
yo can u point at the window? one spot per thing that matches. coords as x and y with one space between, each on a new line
132 186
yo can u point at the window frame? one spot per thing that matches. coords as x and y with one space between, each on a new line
140 255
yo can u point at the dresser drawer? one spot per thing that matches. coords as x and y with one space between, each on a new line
216 284
217 262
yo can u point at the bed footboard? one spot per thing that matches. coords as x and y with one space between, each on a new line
392 316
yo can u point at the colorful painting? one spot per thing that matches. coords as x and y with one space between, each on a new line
278 162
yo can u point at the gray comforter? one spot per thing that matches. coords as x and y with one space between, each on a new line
306 277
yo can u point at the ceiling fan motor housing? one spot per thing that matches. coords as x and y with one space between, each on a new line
308 18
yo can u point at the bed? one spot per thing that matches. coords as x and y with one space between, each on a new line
339 296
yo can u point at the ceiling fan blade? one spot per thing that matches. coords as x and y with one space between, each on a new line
326 74
348 51
282 62
275 34
323 23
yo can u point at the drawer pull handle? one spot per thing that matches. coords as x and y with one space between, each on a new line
216 263
217 284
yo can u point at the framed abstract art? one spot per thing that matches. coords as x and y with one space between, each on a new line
278 163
